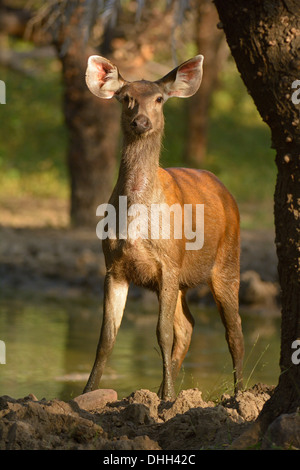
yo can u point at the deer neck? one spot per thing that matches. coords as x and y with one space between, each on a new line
138 169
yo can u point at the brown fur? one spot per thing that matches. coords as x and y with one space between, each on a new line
164 265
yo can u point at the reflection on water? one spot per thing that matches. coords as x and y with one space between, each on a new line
50 349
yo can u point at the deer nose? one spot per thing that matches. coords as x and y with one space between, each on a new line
141 124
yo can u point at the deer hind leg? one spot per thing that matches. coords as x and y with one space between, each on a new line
225 289
182 328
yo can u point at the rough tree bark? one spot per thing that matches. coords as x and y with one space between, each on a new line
264 38
210 42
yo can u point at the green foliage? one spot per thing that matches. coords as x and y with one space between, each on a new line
32 136
33 141
239 147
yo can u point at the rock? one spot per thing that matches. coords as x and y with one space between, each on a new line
138 414
31 397
199 428
147 398
255 291
26 424
283 433
185 400
137 443
249 439
249 403
96 399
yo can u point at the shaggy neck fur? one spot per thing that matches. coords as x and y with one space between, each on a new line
138 168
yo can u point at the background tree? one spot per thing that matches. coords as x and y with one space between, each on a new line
93 125
264 38
210 42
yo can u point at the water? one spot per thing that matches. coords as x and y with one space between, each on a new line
50 347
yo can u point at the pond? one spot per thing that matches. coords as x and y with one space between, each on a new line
50 346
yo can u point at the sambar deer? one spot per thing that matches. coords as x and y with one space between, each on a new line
163 264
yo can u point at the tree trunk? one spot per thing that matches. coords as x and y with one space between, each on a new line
264 38
211 43
93 126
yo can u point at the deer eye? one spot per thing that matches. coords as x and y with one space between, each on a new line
159 99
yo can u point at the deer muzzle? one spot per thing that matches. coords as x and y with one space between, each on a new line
141 124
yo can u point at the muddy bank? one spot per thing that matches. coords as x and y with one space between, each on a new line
140 422
70 263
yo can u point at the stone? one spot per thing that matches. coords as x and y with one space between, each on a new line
283 433
96 399
255 291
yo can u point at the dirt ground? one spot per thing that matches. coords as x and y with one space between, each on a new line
139 422
40 255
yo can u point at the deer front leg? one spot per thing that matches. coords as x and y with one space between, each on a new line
115 295
167 304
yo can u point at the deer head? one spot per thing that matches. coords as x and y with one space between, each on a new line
143 100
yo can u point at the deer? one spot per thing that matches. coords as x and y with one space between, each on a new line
164 265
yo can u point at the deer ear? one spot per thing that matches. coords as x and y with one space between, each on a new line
184 80
102 77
